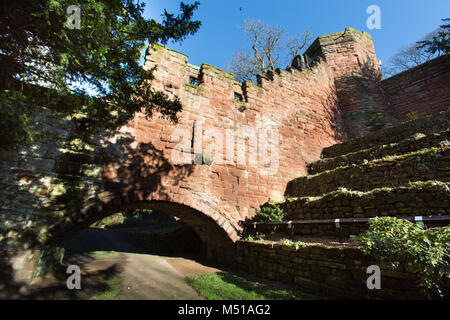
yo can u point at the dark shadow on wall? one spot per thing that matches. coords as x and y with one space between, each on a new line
364 106
125 171
46 189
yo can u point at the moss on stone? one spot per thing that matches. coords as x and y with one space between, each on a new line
224 73
194 89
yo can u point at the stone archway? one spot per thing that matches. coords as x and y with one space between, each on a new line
217 242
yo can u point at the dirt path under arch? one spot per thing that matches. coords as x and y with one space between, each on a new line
139 276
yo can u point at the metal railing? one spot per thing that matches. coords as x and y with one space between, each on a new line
338 223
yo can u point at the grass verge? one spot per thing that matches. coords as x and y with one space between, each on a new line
109 291
227 286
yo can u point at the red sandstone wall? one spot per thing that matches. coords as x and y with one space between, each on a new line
424 89
300 105
356 69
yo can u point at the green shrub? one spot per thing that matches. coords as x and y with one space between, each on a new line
270 214
412 115
424 252
255 237
298 244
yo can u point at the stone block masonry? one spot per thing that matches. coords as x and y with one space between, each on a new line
424 89
356 71
433 124
333 272
414 143
417 199
391 171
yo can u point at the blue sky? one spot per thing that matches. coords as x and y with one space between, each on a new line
402 22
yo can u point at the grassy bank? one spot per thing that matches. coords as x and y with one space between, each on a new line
109 291
227 286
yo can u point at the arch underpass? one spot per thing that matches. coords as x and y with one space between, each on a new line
215 167
216 243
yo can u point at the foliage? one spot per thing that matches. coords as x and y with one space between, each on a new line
412 116
270 214
298 244
430 186
267 50
109 290
290 242
440 42
39 51
136 218
227 286
255 237
402 243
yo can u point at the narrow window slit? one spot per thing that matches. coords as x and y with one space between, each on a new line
194 81
238 97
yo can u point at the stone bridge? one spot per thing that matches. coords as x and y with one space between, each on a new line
236 146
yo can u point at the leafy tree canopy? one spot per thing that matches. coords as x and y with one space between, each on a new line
38 48
440 43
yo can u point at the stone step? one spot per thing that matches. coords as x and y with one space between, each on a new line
427 125
417 198
425 164
417 142
429 198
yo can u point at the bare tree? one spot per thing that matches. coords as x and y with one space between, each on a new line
296 44
267 49
408 57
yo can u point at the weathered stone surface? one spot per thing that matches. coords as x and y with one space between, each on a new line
331 272
421 165
423 89
416 142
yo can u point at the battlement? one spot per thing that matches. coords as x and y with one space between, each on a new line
341 63
174 75
171 62
349 34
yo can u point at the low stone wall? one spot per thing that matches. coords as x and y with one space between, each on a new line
426 164
423 89
427 125
419 141
334 272
422 198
